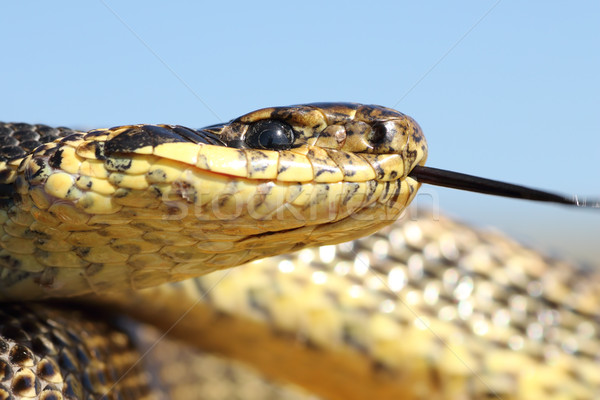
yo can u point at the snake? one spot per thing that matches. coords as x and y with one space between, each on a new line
336 287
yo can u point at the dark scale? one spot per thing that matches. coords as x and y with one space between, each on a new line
49 370
17 140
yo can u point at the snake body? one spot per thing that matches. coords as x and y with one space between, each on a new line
422 309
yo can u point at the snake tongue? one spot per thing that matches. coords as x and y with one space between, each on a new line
471 183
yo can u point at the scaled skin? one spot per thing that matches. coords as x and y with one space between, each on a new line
136 206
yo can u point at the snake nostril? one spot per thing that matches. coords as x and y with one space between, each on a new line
377 134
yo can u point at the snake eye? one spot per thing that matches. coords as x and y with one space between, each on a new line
270 135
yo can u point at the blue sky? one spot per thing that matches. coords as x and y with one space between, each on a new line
503 89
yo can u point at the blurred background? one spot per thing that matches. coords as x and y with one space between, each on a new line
502 89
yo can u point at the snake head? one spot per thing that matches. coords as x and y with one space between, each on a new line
134 206
340 168
326 143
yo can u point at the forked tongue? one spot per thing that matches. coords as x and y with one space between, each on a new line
456 180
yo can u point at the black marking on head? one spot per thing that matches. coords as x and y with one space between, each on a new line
56 159
379 171
416 136
378 113
396 195
213 129
377 134
371 187
256 160
282 168
386 190
350 193
137 137
411 157
321 171
141 136
201 136
347 171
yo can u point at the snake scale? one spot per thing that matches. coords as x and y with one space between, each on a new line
423 308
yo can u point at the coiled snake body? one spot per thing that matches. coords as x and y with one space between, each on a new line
424 308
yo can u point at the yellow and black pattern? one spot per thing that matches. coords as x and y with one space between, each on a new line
425 309
51 353
135 206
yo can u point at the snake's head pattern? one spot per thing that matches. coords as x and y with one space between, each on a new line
338 167
349 127
138 205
